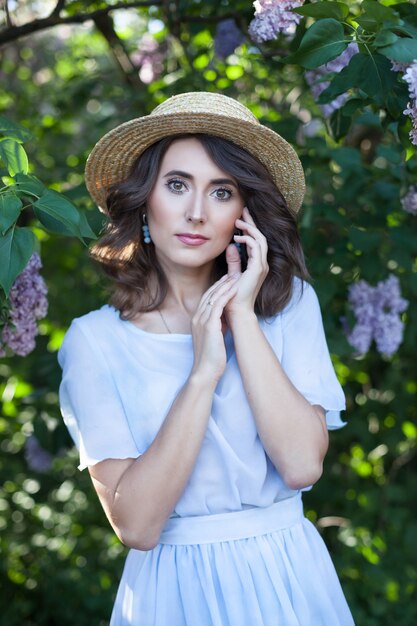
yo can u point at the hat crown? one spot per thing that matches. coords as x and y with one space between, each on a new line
205 102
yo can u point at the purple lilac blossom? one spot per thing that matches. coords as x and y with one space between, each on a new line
227 38
377 311
398 66
410 77
409 201
37 458
273 17
411 110
148 58
316 79
28 303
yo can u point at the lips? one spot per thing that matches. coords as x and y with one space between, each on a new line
191 239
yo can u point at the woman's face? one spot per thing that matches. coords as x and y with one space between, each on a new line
192 208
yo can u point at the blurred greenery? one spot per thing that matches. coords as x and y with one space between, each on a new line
68 85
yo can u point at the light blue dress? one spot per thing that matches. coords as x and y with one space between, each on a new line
237 550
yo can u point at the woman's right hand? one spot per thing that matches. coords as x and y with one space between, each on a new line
206 328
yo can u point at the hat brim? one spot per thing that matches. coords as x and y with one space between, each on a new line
113 156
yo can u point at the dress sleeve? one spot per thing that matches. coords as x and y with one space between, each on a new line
306 359
90 403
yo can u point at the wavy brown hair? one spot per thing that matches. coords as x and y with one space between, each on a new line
130 263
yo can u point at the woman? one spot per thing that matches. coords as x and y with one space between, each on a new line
198 399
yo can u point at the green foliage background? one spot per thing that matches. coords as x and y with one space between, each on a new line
60 561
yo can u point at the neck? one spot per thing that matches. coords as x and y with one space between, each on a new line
185 288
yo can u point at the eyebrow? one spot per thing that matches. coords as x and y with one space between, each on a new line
215 181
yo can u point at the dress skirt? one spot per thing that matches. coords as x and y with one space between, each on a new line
256 567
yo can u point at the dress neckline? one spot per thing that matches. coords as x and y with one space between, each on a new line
184 337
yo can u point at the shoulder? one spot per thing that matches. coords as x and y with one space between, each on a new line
88 328
302 313
303 297
99 316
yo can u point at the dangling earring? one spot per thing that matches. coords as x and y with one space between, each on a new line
145 229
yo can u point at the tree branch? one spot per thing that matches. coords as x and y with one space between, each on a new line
58 8
104 24
12 33
7 12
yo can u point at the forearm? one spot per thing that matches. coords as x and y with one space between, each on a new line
292 431
149 489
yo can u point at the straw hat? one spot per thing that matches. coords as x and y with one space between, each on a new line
194 112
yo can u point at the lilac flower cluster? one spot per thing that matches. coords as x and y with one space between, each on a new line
411 110
28 303
37 458
148 58
316 79
399 66
409 201
227 38
273 17
409 71
377 311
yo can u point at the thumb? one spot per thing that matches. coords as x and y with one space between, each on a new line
233 260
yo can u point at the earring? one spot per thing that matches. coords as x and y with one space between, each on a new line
145 229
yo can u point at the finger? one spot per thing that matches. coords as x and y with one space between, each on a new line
252 245
256 253
233 260
217 289
247 215
252 229
214 310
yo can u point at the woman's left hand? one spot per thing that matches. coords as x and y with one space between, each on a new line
257 269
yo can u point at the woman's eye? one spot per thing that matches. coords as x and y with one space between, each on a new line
223 193
176 185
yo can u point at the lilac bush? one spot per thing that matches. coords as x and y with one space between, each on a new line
227 38
409 71
317 82
27 304
37 458
273 17
149 59
377 311
409 201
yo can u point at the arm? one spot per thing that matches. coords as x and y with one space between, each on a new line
293 432
138 495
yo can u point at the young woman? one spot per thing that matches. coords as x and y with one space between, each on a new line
199 397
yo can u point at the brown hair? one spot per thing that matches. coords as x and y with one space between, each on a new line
130 263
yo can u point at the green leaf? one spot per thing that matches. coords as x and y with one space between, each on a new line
59 215
16 248
385 38
85 227
337 10
14 156
29 184
364 240
10 206
375 15
348 158
403 50
378 12
323 41
11 130
340 124
370 73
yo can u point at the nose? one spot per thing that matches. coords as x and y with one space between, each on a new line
196 212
